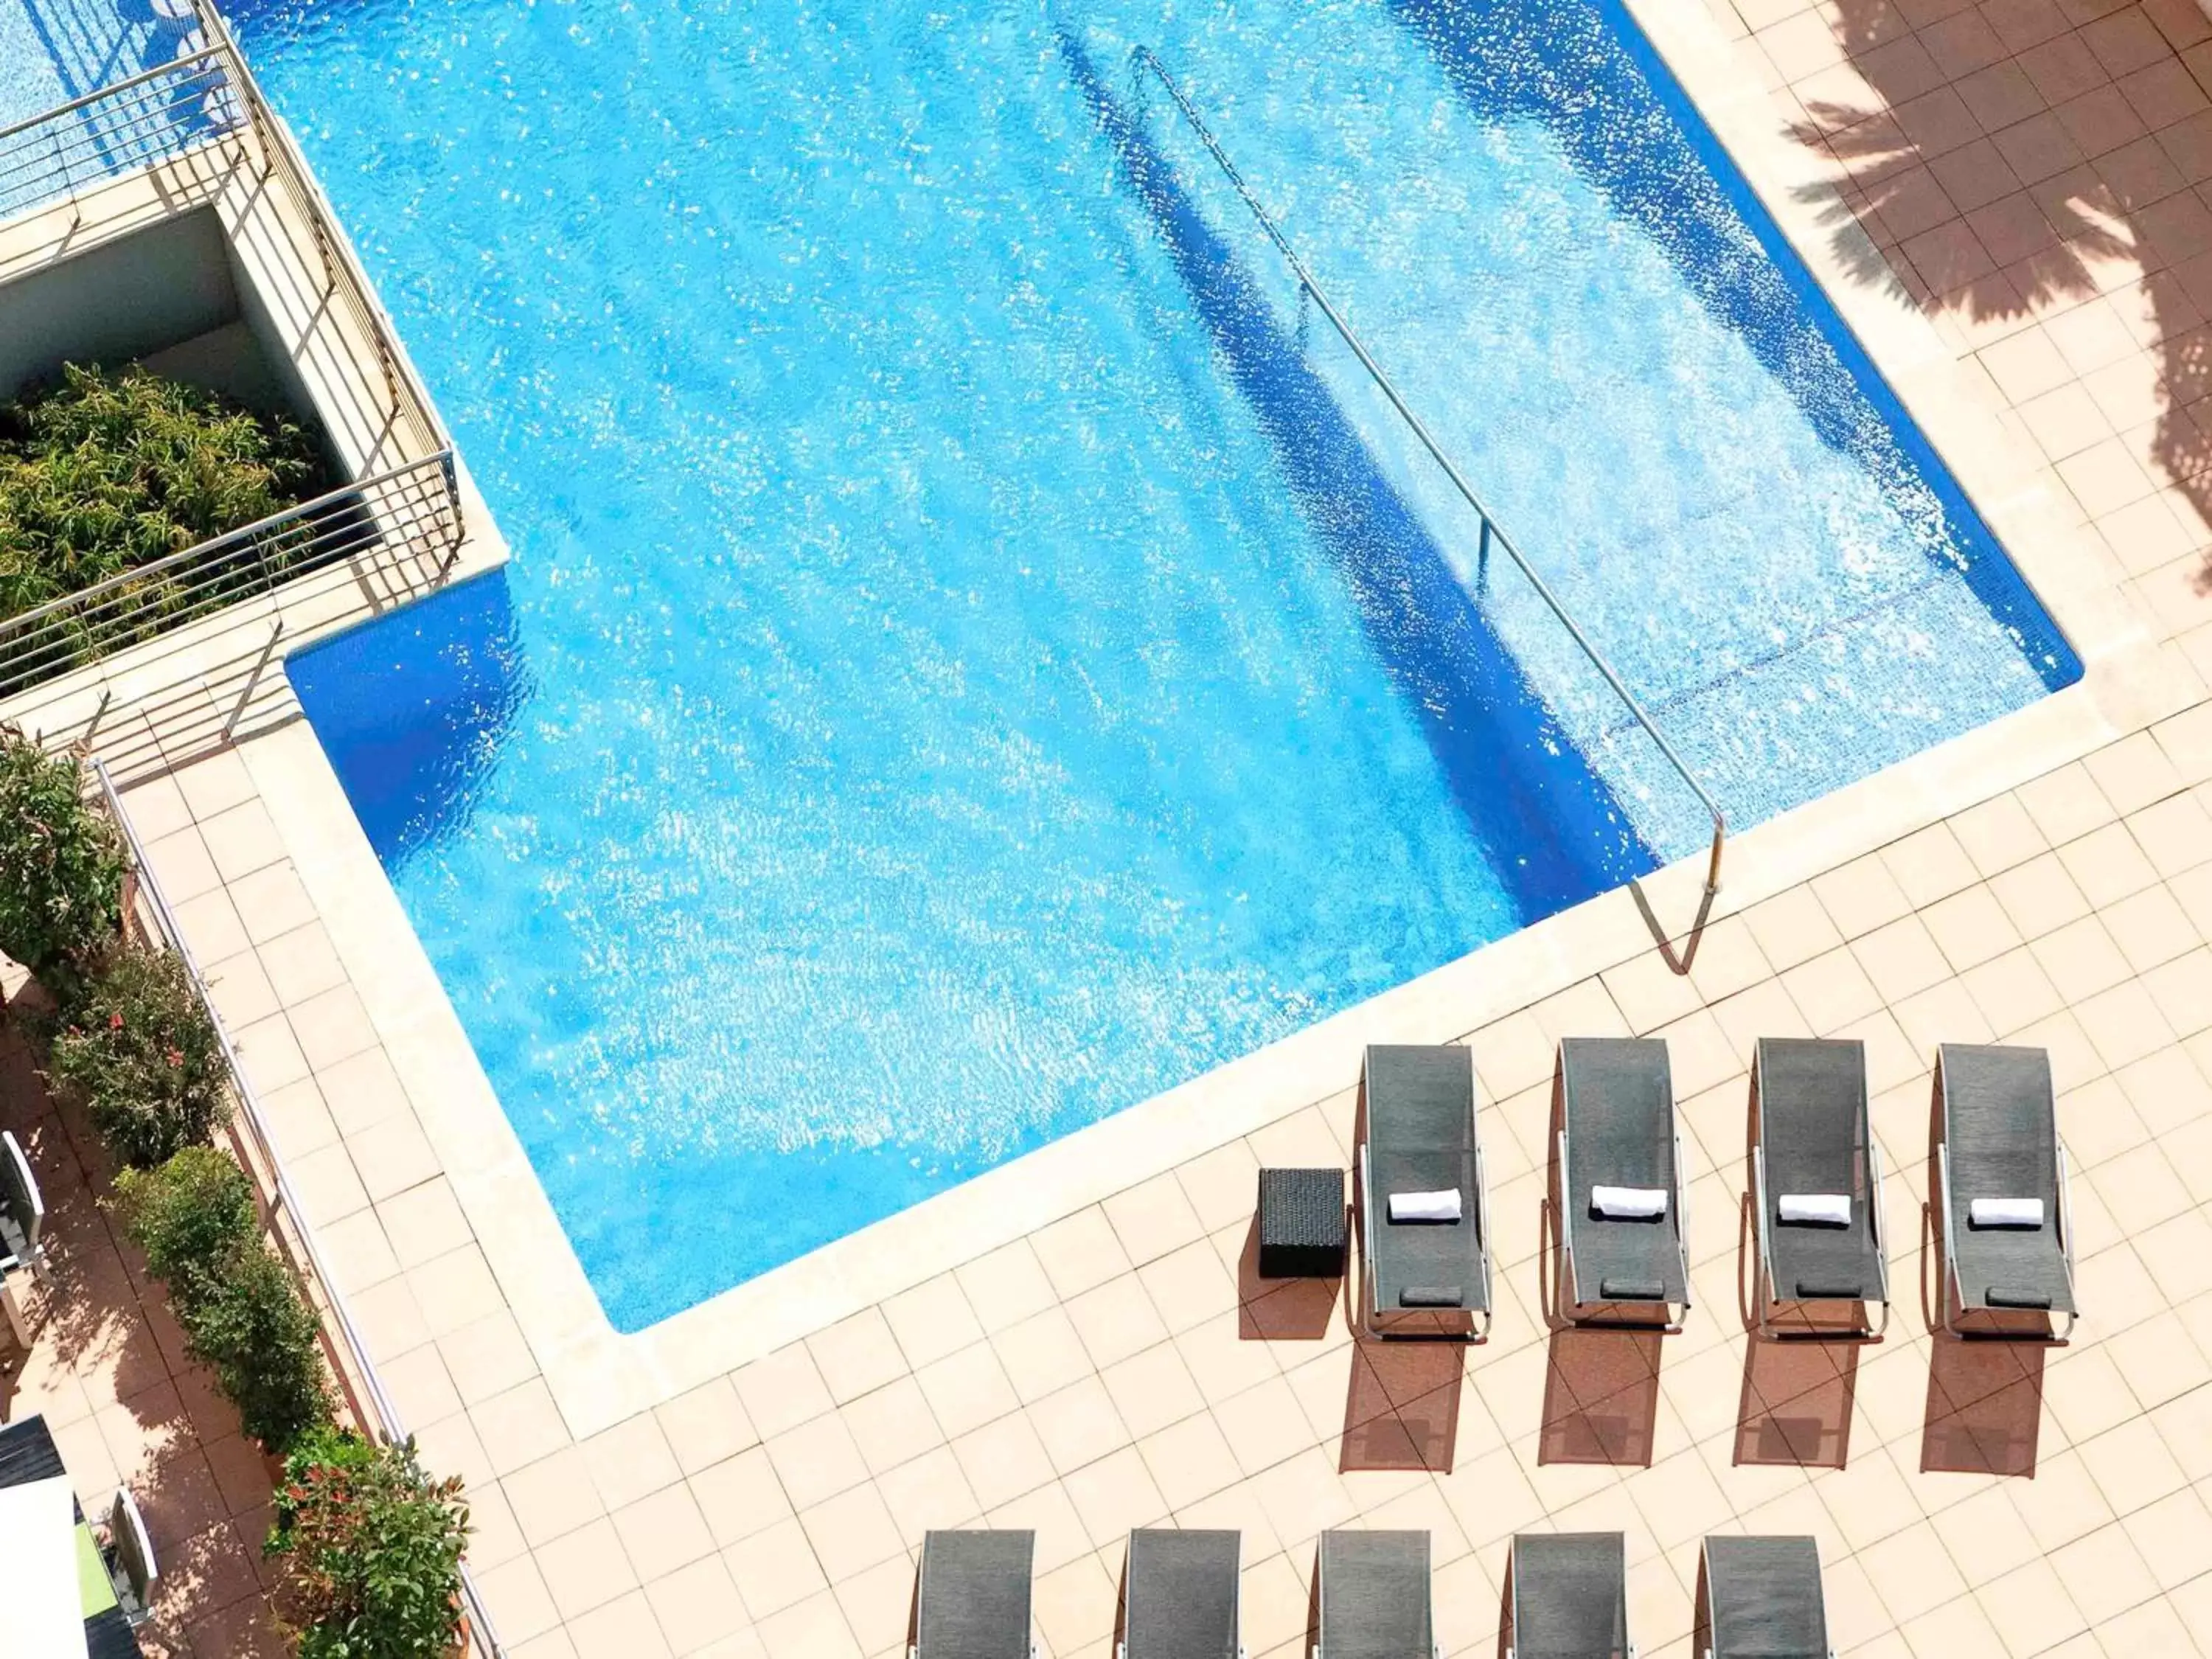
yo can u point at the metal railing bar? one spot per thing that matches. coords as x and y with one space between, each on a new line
390 1422
214 543
144 606
299 558
124 146
1144 57
87 137
212 52
302 179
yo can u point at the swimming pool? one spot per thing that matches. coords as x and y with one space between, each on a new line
977 653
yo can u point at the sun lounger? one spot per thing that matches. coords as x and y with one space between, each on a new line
2000 1164
22 1211
1180 1596
1569 1594
1620 1178
1816 1176
1763 1599
973 1602
1375 1596
1428 1278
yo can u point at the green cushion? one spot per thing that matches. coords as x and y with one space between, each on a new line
93 1587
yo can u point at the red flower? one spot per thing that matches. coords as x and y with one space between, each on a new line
115 1021
176 1058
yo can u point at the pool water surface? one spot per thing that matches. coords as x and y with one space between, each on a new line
977 651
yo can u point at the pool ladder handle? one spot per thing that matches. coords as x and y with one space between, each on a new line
1144 57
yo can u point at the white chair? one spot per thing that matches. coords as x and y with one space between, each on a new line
22 1211
129 1557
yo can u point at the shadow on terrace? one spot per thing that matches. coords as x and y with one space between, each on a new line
2042 161
107 1369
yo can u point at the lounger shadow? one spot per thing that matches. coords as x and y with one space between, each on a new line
1814 1138
1180 1595
1375 1596
1763 1599
1568 1593
972 1598
2000 1142
1422 1280
1617 1129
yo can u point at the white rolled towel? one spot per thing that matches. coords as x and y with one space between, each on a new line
1425 1207
1629 1203
2005 1212
1817 1209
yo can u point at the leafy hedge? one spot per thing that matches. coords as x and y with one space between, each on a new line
105 471
61 864
372 1550
189 1215
241 1309
135 1044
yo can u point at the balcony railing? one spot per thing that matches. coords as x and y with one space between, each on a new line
165 111
410 512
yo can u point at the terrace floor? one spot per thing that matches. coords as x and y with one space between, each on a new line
2039 174
1124 1366
107 1368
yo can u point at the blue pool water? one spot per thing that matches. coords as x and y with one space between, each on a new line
977 653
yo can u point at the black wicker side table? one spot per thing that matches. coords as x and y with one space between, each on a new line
1301 1224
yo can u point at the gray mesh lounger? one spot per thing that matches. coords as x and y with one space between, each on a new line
1375 1596
2000 1140
973 1598
1814 1138
1429 1280
1619 1130
1569 1592
1180 1596
1763 1596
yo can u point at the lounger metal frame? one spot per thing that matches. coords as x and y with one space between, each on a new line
1764 1300
1370 1312
1513 1606
1680 1198
1705 1560
1953 1288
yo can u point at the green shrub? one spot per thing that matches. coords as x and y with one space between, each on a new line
252 1327
61 863
137 1046
371 1548
240 1307
104 471
190 1216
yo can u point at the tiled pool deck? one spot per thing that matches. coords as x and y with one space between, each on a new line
2031 174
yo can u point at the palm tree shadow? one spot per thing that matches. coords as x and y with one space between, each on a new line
2000 194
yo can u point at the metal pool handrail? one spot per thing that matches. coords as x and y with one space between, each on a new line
1144 57
389 1422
